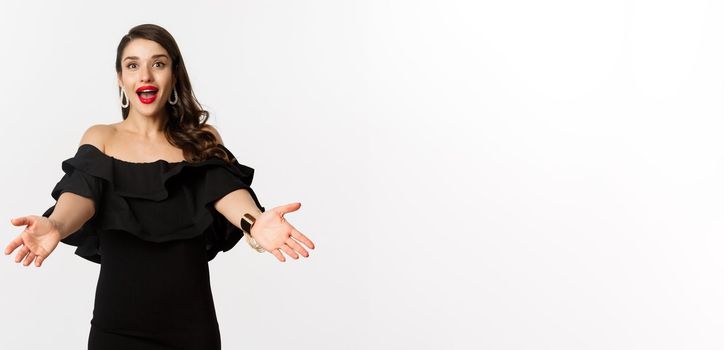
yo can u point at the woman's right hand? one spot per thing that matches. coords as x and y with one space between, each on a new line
38 240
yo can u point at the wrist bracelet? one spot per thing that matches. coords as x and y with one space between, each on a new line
247 222
252 243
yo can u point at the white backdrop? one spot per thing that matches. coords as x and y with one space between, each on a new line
475 175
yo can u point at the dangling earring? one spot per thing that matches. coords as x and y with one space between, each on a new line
123 93
175 95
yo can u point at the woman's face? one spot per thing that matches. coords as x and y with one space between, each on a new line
145 65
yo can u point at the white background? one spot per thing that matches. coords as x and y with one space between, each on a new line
476 175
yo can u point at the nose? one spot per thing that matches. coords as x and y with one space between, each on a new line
146 75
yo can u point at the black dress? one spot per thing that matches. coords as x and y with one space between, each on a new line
153 233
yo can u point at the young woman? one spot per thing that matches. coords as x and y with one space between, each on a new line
152 199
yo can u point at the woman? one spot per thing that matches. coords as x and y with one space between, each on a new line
152 199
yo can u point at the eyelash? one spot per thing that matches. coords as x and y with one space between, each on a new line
129 65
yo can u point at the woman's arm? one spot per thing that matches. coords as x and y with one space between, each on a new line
236 203
271 230
72 210
70 213
42 234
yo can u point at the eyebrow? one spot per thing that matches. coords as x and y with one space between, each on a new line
136 57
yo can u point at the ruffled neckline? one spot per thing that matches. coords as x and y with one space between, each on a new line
147 180
95 149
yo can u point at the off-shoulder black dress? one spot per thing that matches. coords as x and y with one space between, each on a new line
153 233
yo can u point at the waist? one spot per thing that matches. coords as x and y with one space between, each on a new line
149 286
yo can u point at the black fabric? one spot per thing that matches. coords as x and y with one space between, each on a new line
153 233
157 201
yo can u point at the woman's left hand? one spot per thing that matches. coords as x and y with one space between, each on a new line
275 234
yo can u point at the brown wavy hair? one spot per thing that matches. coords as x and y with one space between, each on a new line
183 128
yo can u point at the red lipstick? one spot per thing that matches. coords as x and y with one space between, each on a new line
147 94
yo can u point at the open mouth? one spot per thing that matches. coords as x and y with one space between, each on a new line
147 94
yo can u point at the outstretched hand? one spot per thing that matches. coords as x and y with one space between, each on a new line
38 240
275 234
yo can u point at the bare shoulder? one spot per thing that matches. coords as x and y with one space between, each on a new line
97 135
212 129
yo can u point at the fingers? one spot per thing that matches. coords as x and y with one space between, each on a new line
21 253
278 254
18 241
289 251
297 247
23 220
26 255
302 238
29 259
13 244
287 208
290 247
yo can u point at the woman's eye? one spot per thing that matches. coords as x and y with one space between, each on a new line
133 64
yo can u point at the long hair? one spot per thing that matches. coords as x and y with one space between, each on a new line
185 118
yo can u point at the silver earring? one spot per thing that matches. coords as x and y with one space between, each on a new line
123 93
175 95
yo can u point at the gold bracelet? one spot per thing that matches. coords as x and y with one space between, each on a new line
247 222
